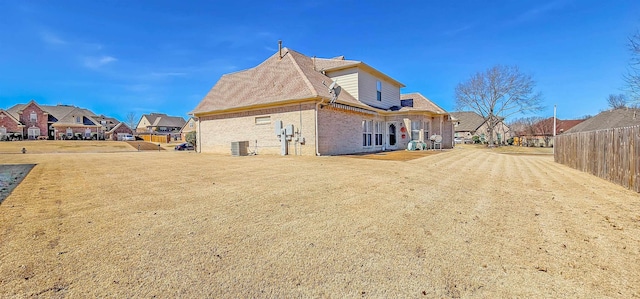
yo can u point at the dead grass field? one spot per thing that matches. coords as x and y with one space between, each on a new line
466 222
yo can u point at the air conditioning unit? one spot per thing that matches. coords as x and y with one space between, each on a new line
239 148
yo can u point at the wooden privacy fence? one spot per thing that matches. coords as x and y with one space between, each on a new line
156 138
612 154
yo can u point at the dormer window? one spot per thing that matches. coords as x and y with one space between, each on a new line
33 116
406 103
378 90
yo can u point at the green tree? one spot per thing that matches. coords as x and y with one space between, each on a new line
191 137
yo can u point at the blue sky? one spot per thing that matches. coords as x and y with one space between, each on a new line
116 57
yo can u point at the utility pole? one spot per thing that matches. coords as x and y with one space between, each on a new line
554 129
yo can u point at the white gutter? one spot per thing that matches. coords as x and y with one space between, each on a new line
198 138
317 138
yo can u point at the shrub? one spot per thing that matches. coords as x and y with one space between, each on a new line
191 138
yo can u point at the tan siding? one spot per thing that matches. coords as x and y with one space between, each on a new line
367 91
218 132
347 79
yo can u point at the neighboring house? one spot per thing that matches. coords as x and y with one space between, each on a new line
616 118
10 127
56 122
541 133
189 126
326 107
160 123
469 124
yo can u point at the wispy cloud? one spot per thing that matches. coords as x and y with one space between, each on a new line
52 39
168 74
97 62
457 30
540 10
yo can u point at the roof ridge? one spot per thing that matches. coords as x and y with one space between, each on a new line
306 80
11 116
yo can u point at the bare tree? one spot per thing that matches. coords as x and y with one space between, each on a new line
132 120
526 129
498 93
633 72
617 101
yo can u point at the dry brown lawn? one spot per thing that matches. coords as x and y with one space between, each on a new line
64 146
466 222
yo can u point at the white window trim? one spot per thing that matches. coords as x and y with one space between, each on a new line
416 127
367 133
378 129
31 132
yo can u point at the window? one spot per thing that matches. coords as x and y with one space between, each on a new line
263 120
78 119
191 125
69 132
378 90
3 131
406 103
33 132
378 132
366 132
33 116
415 130
87 133
426 131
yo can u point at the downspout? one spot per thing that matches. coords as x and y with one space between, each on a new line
317 138
199 140
300 132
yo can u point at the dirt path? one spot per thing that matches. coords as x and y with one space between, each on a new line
466 222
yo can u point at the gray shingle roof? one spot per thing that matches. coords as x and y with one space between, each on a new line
469 121
163 120
421 102
275 80
64 114
624 117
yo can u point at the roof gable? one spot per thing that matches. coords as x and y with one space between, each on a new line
70 118
339 63
421 102
163 120
4 113
468 121
276 80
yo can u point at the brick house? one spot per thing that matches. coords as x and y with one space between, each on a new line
325 106
160 123
541 132
469 124
189 126
60 122
10 127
